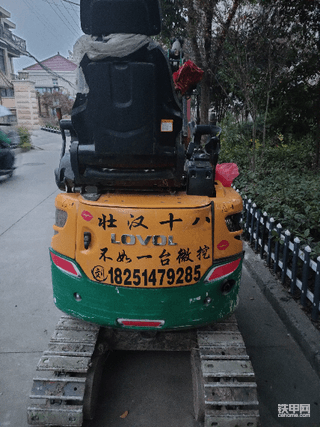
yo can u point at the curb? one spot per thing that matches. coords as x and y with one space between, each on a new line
52 130
296 321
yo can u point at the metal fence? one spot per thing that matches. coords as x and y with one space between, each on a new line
284 255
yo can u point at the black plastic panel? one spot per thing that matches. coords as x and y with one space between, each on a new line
102 17
121 107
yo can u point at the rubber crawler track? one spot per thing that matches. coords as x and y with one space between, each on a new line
224 387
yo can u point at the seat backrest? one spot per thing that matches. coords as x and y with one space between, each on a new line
102 17
121 117
127 117
121 107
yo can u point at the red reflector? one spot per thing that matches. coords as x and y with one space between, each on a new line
65 265
222 271
141 323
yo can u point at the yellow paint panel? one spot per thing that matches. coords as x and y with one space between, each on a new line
148 240
226 203
150 200
146 247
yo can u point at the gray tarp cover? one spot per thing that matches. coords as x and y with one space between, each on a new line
114 45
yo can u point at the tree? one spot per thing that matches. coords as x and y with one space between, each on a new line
253 61
208 24
173 20
296 106
271 65
259 56
50 101
205 25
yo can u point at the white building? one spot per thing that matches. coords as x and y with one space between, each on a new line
11 46
57 74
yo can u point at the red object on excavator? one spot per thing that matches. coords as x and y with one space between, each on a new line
226 173
187 77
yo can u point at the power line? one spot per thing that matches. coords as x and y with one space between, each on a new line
48 70
41 18
61 12
68 1
71 16
62 18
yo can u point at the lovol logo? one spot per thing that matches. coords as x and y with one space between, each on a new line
130 239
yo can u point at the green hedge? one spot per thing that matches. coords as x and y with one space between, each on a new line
284 184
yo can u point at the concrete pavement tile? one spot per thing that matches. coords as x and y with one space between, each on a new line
15 387
283 374
155 387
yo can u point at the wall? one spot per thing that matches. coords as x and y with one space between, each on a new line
44 79
26 104
9 103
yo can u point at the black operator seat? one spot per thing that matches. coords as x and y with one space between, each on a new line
126 115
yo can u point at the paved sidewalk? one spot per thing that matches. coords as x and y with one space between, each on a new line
297 322
284 375
27 313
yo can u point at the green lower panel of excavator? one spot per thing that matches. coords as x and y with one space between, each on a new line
188 306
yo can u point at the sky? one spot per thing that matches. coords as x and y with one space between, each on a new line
48 26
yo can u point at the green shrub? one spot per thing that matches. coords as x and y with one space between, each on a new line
284 183
25 138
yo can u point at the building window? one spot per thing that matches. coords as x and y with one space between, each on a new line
2 61
6 93
55 82
44 89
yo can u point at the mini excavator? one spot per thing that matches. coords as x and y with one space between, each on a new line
146 252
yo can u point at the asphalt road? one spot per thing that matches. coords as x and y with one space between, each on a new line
155 388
